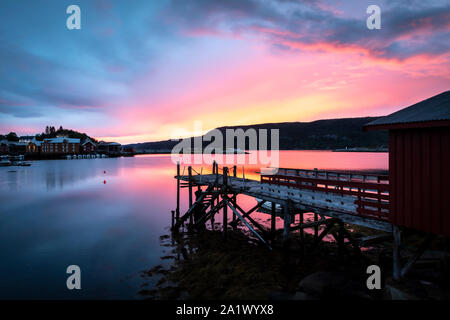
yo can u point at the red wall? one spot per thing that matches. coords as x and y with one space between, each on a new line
419 176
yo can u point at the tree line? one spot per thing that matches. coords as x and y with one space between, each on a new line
50 132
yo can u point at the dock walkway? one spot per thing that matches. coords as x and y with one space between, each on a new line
358 199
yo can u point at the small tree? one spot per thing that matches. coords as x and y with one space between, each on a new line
12 136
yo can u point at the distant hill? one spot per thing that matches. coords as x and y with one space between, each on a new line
50 132
316 135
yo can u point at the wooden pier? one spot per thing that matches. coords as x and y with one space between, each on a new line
334 198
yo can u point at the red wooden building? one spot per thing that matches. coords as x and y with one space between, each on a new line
88 146
419 164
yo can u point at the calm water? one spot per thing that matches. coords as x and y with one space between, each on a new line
105 215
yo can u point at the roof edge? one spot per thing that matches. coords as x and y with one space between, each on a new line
407 125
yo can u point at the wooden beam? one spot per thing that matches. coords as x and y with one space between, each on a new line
247 224
178 193
316 228
330 224
260 227
353 242
246 214
423 246
287 222
225 208
190 191
189 213
302 234
273 217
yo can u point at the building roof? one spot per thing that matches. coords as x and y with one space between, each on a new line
26 138
434 111
88 141
36 142
15 143
61 140
110 143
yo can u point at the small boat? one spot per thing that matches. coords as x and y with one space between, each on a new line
5 163
21 164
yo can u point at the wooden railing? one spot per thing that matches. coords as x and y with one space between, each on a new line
371 191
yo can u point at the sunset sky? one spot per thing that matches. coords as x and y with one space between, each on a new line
139 70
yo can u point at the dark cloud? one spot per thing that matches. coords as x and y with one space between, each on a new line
313 22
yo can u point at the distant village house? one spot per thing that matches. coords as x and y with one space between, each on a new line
88 146
34 146
109 147
61 145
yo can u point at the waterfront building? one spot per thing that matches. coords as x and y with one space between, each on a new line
61 145
109 147
88 146
34 146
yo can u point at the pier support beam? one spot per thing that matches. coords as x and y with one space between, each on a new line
177 210
273 218
225 208
423 246
316 228
302 234
287 223
190 191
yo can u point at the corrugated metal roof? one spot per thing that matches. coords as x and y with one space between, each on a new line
435 108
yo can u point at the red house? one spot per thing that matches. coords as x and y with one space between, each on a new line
419 164
88 146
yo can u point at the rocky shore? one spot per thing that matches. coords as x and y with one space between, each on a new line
204 266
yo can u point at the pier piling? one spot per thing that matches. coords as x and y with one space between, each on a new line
190 192
225 208
178 193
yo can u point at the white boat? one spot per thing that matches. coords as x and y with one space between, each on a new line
21 164
5 163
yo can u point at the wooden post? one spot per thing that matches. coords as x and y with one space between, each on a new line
190 191
340 238
396 252
423 246
235 196
273 218
287 222
302 233
225 208
173 218
215 170
316 228
178 192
